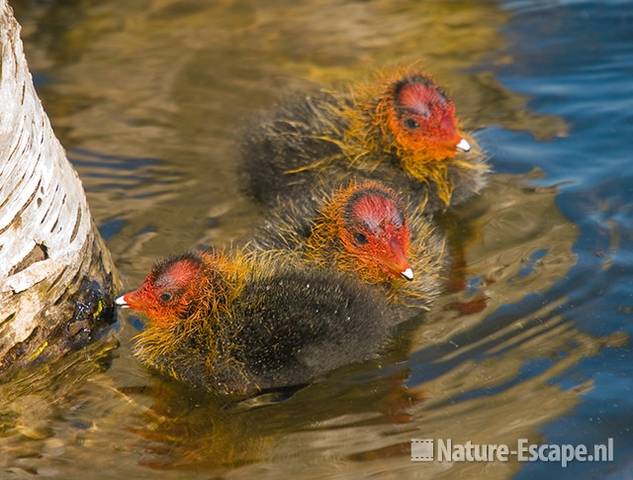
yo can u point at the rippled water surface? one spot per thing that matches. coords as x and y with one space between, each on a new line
531 338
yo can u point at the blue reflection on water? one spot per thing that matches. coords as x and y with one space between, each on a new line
578 65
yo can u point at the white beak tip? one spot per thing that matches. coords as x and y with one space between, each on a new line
121 302
463 145
408 274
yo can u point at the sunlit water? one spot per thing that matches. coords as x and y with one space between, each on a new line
531 338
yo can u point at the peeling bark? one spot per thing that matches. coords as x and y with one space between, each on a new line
56 275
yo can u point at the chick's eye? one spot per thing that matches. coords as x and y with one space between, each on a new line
411 124
166 297
360 238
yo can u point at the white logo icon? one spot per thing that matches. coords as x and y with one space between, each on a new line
422 450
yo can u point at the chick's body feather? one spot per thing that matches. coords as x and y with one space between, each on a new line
325 137
283 326
303 229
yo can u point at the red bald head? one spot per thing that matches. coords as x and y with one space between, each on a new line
422 120
374 230
167 291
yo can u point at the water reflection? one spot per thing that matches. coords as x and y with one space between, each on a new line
147 97
481 374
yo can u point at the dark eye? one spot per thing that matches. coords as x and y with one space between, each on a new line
360 238
166 297
411 124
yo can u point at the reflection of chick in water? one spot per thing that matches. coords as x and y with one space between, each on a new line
491 242
189 428
458 235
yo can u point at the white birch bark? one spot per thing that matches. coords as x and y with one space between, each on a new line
49 246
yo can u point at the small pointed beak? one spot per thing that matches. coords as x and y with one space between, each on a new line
463 145
407 274
121 302
399 264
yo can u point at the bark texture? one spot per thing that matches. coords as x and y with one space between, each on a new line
56 276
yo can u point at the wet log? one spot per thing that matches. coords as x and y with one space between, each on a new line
56 275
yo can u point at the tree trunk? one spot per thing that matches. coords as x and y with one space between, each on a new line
56 275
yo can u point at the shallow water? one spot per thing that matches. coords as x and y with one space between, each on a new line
531 338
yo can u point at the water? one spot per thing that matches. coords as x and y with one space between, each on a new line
531 338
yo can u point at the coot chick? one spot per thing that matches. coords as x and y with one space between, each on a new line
237 325
364 229
401 128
